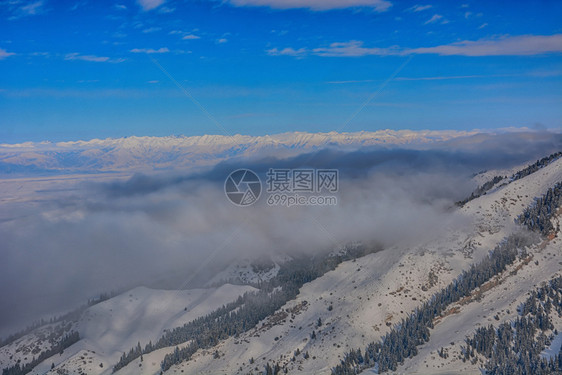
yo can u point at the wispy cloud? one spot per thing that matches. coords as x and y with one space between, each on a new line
351 49
42 54
546 73
440 78
350 81
318 5
151 30
222 40
77 5
433 19
191 37
482 26
150 50
33 8
4 54
147 5
522 45
419 8
288 52
91 58
19 9
86 93
165 10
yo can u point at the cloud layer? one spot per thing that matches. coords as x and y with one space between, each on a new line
66 242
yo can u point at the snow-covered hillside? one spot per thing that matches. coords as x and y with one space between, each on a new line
247 271
109 328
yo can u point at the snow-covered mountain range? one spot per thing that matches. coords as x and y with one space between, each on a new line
163 153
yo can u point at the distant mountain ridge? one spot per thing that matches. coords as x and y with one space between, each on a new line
135 153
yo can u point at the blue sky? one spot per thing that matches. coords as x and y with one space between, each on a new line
94 69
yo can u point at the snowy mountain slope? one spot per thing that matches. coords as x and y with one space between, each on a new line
369 295
495 212
248 271
26 348
497 305
118 324
157 153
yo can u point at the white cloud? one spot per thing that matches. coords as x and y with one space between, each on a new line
222 40
467 14
165 10
32 8
4 53
120 7
19 8
483 26
91 58
147 5
352 48
419 8
522 45
435 18
77 5
150 50
191 37
320 5
287 52
151 30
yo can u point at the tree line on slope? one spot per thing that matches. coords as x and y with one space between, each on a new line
246 312
536 166
514 348
404 338
402 341
66 341
483 189
538 217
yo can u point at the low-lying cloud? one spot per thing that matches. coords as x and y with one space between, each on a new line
175 230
